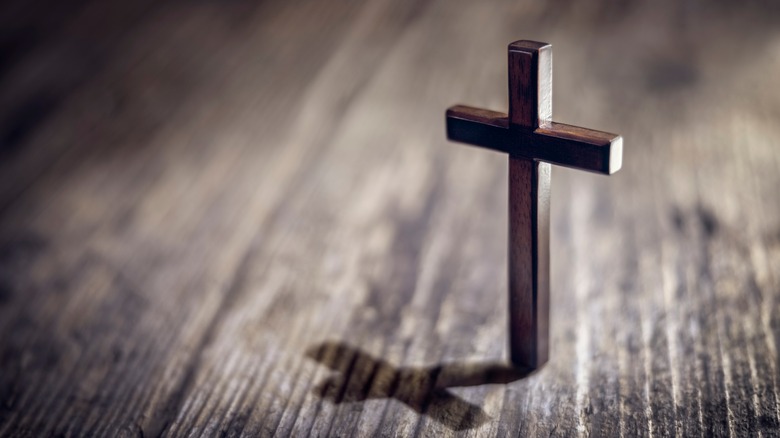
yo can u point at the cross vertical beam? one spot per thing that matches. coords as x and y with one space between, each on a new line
530 107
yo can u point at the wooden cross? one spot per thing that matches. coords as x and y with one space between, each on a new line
532 140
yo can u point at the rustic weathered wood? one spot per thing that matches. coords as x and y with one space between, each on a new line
235 211
529 136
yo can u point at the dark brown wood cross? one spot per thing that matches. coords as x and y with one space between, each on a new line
532 140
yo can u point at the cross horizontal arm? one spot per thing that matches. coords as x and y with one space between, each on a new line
556 143
478 127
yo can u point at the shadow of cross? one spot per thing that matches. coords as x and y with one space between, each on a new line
362 377
532 140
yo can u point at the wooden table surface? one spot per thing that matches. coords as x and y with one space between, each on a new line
244 219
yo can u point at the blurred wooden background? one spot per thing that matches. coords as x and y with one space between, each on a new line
243 219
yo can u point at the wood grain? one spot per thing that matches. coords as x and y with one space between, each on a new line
245 220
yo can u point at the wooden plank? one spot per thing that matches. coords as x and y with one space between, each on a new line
268 232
